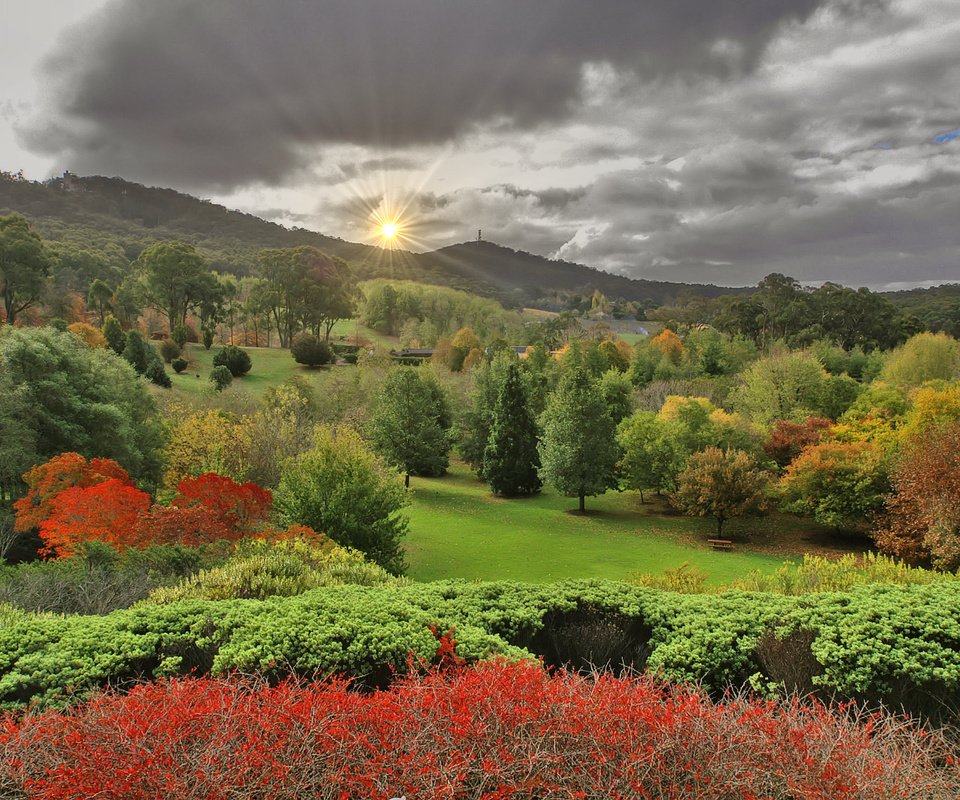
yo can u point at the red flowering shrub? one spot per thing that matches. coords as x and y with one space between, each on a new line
495 731
789 439
240 507
107 512
46 481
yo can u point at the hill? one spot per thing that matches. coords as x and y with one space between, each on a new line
97 210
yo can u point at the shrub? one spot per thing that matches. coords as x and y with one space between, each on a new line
899 645
243 507
179 365
221 377
234 359
310 351
286 567
169 350
88 334
113 333
497 731
179 335
342 489
157 374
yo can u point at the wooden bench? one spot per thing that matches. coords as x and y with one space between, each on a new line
720 544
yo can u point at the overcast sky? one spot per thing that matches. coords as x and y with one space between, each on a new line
694 140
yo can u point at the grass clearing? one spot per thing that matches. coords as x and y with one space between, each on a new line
458 529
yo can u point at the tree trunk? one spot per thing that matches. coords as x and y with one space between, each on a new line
582 505
406 480
641 497
720 521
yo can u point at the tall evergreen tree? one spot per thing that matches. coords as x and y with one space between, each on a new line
410 424
578 450
511 462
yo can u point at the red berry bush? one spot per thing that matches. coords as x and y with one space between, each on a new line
498 730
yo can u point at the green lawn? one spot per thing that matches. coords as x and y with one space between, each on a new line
459 530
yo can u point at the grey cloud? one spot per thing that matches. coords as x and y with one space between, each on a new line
227 92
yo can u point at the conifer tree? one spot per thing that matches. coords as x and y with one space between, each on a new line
578 451
511 461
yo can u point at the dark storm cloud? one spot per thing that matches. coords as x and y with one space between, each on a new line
227 92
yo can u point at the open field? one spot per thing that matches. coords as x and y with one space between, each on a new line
459 530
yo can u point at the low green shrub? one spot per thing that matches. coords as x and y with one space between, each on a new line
899 645
179 365
221 378
169 350
234 359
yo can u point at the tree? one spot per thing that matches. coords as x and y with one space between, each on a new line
410 424
234 359
723 484
240 507
221 377
344 490
578 451
924 357
18 440
74 399
106 512
88 334
784 385
788 439
113 333
99 296
204 441
173 278
310 351
464 340
511 461
840 484
189 526
617 393
24 265
922 519
669 345
473 427
652 454
65 471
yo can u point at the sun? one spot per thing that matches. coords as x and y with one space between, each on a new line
389 230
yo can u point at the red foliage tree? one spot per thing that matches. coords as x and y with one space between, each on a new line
107 512
240 507
46 481
788 439
922 522
190 526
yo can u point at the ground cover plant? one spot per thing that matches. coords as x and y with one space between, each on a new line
497 731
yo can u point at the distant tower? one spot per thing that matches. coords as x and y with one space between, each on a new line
479 235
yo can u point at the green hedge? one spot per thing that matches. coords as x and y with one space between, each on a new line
896 644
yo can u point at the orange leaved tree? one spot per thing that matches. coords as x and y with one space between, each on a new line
65 471
107 512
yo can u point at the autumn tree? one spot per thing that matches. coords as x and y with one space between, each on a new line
511 461
202 442
48 480
723 484
242 507
922 520
24 265
341 488
106 512
840 484
788 439
669 345
578 451
410 424
190 526
464 341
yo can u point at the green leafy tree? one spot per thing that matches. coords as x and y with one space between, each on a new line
76 399
652 453
24 265
617 393
98 296
924 357
342 489
137 351
221 377
723 484
511 461
578 451
473 427
113 333
173 278
784 385
410 424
